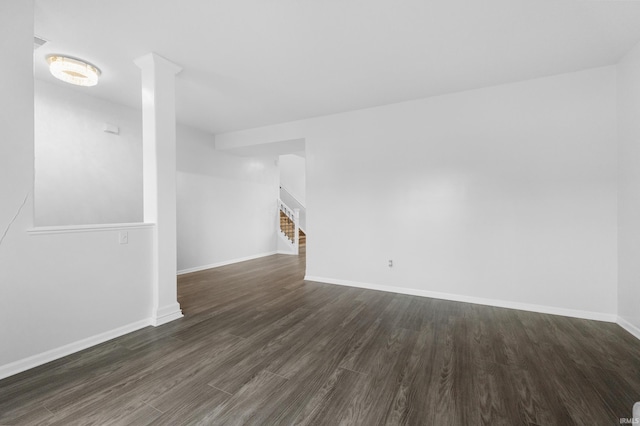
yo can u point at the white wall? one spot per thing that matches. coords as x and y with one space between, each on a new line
293 176
84 175
226 204
504 195
629 190
58 292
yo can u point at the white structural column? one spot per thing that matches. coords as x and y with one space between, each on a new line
159 171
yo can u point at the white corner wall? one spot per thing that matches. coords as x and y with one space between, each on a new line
629 191
504 195
84 175
226 204
60 292
293 176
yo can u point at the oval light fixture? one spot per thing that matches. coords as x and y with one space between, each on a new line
72 70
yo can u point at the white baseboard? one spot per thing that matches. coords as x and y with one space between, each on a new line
635 331
48 356
286 252
224 263
599 316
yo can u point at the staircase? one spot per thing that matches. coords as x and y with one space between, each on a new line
302 240
293 203
287 226
292 238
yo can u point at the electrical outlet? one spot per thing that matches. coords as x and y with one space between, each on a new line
390 263
124 237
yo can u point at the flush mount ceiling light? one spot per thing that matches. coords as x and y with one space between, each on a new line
72 70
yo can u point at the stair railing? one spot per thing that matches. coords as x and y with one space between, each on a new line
289 220
293 197
290 200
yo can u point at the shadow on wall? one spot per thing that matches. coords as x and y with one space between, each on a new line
85 174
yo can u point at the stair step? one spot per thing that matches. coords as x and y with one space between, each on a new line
287 228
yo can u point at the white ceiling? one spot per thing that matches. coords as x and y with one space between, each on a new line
248 63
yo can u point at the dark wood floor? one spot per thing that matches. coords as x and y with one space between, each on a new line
258 345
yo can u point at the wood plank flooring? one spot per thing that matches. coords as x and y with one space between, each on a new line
258 345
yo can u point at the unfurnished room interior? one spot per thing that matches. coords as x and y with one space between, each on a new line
320 212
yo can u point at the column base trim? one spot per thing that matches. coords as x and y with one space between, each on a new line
166 314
